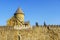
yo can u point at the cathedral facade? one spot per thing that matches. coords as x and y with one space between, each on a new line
18 19
18 29
12 29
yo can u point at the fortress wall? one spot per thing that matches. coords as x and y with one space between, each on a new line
7 34
41 33
34 33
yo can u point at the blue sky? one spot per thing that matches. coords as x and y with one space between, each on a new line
34 10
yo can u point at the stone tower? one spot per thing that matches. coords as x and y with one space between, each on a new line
17 19
19 14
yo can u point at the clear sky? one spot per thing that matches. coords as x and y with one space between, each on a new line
34 10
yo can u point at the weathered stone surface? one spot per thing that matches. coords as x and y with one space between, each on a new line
10 31
34 33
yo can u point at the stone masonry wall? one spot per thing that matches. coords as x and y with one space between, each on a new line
41 33
34 33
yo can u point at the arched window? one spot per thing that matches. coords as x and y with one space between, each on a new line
18 37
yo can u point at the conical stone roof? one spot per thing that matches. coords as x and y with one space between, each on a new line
19 10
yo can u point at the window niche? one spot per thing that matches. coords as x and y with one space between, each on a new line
18 37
